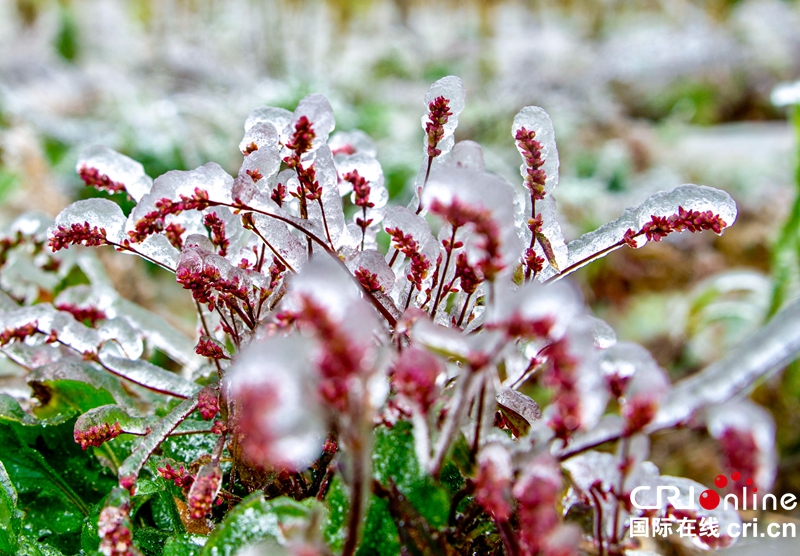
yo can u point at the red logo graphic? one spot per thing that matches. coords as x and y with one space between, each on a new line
710 499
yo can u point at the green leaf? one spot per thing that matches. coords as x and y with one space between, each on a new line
338 503
184 545
55 480
150 540
30 547
252 521
74 387
10 517
380 537
394 458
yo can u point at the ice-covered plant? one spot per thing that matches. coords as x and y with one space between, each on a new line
345 398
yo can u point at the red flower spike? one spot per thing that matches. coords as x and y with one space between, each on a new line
174 232
116 538
208 403
82 314
438 115
531 150
368 280
93 178
77 234
415 375
216 229
97 435
179 476
19 333
278 194
208 347
204 490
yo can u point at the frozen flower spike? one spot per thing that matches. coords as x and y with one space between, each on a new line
326 366
108 170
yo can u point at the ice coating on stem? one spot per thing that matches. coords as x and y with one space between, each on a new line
769 349
118 332
98 213
146 374
288 245
551 230
116 167
665 203
131 467
328 178
279 412
534 118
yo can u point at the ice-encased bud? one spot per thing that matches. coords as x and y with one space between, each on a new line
452 89
415 226
116 167
466 154
448 187
279 118
534 118
372 261
745 432
317 109
665 203
98 213
278 410
347 143
559 304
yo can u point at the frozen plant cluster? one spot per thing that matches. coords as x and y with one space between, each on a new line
384 389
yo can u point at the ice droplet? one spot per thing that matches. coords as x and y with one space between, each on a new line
534 118
118 167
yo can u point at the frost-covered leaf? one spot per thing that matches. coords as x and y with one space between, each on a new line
522 405
253 520
10 517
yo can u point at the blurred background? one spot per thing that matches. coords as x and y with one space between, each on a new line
644 95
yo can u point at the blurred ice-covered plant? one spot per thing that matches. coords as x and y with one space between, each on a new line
343 398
